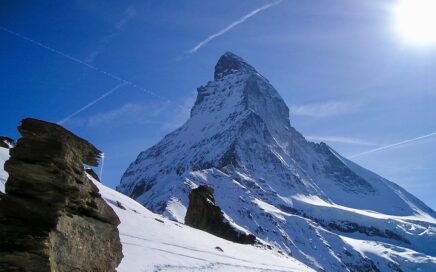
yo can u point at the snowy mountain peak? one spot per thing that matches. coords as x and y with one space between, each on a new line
230 63
239 93
300 196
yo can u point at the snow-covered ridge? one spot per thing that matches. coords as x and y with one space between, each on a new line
154 243
300 196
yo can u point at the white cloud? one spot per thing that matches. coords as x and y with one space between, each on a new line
163 115
325 109
130 113
339 139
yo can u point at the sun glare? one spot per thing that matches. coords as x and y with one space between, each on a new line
416 21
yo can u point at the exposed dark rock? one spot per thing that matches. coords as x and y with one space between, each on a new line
52 217
92 174
230 63
205 215
364 265
350 227
119 205
6 142
219 248
158 220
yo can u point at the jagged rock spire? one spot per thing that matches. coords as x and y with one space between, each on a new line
268 179
230 63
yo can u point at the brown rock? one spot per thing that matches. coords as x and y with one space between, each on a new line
205 215
92 174
52 217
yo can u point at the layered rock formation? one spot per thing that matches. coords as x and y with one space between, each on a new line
204 214
52 217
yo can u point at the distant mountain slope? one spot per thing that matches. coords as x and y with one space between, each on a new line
154 243
301 196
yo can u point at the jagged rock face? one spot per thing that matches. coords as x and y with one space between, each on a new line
300 196
92 174
52 217
6 142
204 214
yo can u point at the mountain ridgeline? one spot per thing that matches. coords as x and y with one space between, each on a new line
299 196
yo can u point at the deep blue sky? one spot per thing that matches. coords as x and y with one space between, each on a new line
347 76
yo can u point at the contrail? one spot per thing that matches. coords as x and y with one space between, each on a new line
111 91
393 145
81 62
232 25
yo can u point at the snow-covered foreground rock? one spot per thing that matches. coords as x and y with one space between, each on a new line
154 243
302 197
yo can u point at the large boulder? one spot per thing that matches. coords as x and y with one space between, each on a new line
52 217
205 215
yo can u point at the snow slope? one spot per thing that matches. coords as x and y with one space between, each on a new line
269 180
154 243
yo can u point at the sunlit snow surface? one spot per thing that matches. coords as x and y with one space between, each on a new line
300 196
154 243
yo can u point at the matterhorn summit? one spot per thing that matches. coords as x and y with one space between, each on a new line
301 197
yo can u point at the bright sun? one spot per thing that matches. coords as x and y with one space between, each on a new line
416 21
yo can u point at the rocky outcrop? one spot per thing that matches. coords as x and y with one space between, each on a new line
52 217
205 215
6 142
92 174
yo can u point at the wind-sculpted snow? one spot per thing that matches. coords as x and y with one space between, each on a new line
300 196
